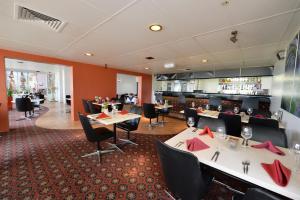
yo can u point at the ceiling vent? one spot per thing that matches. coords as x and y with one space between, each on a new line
26 14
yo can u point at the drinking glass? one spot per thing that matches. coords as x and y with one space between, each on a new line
236 110
191 122
221 133
246 134
219 108
295 148
207 107
250 111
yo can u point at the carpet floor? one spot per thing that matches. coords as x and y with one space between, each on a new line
38 163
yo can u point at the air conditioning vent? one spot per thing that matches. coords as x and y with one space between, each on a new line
26 14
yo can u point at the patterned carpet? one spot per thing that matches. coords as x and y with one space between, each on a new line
37 163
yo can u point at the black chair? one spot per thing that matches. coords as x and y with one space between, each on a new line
68 99
24 105
150 113
86 106
130 125
256 194
181 99
250 103
212 123
120 106
96 135
233 124
183 173
254 121
263 133
93 109
122 98
158 97
214 102
188 112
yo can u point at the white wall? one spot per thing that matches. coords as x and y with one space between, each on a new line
292 123
126 84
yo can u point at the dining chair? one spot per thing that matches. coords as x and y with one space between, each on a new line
214 102
96 135
120 106
86 106
250 103
93 109
130 125
188 112
150 113
233 123
264 133
212 123
256 194
24 105
273 123
183 173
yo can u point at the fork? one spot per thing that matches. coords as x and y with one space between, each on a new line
244 166
179 144
247 166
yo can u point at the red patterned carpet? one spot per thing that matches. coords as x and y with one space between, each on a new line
37 163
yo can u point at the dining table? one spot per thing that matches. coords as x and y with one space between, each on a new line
113 118
215 114
108 103
230 160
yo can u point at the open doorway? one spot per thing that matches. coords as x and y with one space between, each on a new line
48 86
129 88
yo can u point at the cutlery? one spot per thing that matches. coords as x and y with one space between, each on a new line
218 153
195 130
179 144
215 156
247 166
244 166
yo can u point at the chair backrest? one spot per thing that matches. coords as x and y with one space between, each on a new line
92 107
41 96
23 104
87 128
120 106
181 99
212 123
273 123
86 106
182 172
158 97
149 110
259 194
188 112
264 133
249 103
233 124
137 110
214 102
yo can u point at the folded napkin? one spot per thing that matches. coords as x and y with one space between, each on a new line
195 144
259 116
124 112
269 145
199 111
102 116
278 172
229 113
207 130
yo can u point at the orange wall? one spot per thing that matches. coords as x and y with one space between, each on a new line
88 81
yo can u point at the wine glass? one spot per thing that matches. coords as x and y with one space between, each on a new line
250 111
236 110
246 134
191 122
295 148
207 107
219 108
221 133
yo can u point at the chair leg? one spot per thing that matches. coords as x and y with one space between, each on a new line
169 195
99 152
127 141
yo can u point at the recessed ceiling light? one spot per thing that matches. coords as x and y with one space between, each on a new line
155 27
169 65
89 54
149 58
204 60
146 67
225 3
187 69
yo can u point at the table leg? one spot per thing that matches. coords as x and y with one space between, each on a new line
115 133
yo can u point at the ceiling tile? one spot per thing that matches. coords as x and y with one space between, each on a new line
186 47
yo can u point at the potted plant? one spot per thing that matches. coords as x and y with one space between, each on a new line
9 99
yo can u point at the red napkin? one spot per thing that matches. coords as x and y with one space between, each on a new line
102 116
269 145
124 112
229 113
259 116
195 144
207 130
199 111
278 172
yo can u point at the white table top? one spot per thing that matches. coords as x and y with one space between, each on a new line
32 100
109 103
116 118
160 107
215 114
230 162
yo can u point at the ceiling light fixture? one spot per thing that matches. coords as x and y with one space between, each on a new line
169 65
147 68
204 60
89 54
155 27
225 3
233 37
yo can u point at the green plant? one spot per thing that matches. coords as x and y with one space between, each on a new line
9 93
